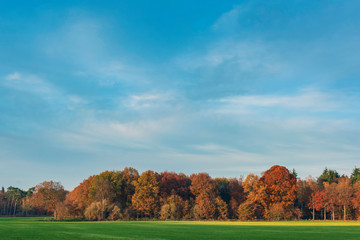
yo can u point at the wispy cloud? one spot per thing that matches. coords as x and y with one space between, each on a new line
229 20
41 88
148 100
241 55
30 83
308 100
246 86
13 76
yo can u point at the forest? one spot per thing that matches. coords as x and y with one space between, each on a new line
278 194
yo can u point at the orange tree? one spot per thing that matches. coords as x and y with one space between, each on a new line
46 195
280 186
79 198
129 177
146 197
203 187
345 192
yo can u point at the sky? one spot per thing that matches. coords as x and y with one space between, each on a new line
227 87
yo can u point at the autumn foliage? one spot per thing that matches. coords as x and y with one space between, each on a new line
280 188
111 195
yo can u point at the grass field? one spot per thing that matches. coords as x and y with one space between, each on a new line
37 228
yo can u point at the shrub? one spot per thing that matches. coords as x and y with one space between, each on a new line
176 204
129 213
98 210
196 211
115 214
61 211
278 212
165 212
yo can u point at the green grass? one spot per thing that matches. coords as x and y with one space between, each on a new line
37 228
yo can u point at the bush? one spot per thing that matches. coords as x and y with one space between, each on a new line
115 214
98 210
165 212
61 211
278 212
196 212
176 204
129 214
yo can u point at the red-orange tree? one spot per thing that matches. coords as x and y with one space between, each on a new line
237 196
280 186
203 187
171 182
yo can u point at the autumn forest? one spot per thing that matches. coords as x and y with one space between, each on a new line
111 195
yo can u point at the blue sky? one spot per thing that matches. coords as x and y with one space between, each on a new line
230 87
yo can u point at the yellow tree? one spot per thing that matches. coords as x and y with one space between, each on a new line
253 207
146 197
129 176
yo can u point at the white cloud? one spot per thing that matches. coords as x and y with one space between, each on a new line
92 135
112 72
78 39
81 41
308 100
13 76
228 20
148 100
43 89
236 56
30 83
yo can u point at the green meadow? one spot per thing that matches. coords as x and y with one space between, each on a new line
40 228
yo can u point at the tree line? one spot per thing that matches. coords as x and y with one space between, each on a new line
111 195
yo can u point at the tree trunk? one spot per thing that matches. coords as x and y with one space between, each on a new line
344 212
333 214
313 213
324 214
15 209
9 208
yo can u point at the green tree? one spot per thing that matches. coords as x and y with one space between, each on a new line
222 188
329 176
14 195
355 175
107 185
